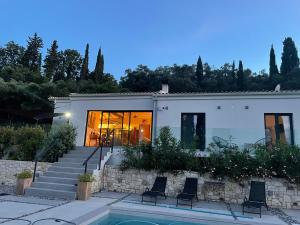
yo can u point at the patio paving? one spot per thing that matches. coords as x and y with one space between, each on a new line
30 208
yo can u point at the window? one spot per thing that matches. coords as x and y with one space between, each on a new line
129 127
279 128
193 130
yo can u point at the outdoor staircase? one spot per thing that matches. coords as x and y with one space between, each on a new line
60 181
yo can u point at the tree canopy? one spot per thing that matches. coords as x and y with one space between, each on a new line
27 79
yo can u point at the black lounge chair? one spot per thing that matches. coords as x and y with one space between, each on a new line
257 197
158 189
189 191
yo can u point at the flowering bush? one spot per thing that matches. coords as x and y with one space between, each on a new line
167 155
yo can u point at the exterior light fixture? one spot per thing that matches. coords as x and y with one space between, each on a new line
218 107
68 115
246 107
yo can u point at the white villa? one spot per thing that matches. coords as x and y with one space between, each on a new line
246 117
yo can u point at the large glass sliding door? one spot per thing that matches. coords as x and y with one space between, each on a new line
129 127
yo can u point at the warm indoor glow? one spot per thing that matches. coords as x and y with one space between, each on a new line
129 127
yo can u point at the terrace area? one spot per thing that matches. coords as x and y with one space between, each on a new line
44 211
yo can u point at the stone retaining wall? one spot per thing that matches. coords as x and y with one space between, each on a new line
280 193
9 168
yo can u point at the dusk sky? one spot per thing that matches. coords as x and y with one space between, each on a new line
157 32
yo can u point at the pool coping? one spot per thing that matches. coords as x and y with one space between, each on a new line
147 211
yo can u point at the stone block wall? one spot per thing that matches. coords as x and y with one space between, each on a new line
9 168
279 192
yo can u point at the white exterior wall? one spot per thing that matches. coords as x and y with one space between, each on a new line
79 106
244 125
61 106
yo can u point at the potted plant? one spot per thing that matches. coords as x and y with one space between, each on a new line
84 186
24 180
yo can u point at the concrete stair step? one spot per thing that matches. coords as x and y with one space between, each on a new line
58 180
78 160
62 175
54 186
68 169
50 193
88 152
82 157
75 165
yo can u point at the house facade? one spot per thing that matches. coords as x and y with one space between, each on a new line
194 118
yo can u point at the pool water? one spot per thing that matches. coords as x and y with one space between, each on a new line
119 219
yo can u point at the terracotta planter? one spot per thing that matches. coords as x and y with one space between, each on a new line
22 184
84 190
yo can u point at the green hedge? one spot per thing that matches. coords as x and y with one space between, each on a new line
59 140
28 142
168 155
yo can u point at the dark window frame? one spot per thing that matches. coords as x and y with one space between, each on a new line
202 146
290 115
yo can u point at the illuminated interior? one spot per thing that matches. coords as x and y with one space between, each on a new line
278 128
130 128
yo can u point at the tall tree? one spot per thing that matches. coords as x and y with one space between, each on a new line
98 72
85 65
199 73
32 55
51 62
241 77
233 71
273 70
12 54
72 63
289 58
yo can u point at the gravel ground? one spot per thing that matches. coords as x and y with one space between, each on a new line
5 189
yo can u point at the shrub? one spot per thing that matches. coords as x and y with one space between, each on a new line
167 155
6 139
24 174
87 177
59 140
28 140
280 161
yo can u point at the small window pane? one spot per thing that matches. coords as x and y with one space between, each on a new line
270 129
285 129
193 130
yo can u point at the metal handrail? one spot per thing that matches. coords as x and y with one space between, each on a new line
39 156
100 146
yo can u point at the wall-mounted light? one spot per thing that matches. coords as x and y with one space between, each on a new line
67 115
246 107
218 107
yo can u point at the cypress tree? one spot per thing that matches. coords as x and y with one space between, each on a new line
32 56
233 70
241 77
98 72
273 70
85 65
289 58
51 62
199 73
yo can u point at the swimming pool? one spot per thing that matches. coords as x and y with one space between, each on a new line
123 219
119 219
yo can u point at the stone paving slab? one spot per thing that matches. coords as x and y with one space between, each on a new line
295 214
18 209
114 195
32 200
